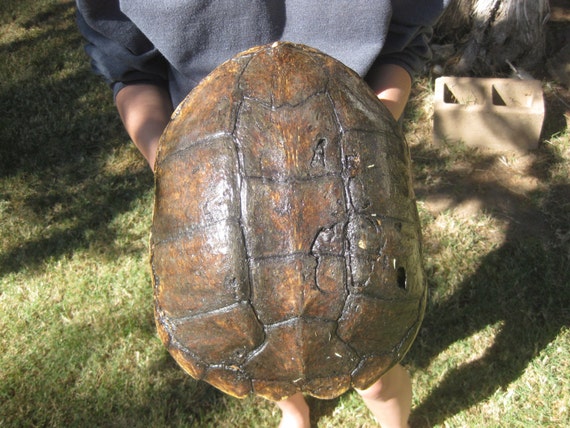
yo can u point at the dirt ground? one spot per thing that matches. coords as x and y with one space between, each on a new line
525 192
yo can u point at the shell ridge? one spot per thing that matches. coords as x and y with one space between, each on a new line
341 127
180 346
241 179
318 251
293 255
274 107
375 256
302 317
207 139
203 314
413 331
349 209
167 327
191 230
291 179
363 361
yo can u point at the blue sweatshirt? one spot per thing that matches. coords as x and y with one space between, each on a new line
177 43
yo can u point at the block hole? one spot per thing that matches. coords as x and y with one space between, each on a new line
512 96
448 96
472 95
497 98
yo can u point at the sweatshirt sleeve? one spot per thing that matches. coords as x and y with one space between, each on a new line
407 42
119 52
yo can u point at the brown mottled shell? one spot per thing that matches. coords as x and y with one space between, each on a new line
285 244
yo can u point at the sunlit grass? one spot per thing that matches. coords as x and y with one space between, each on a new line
78 345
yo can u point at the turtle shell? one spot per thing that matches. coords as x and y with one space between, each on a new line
285 244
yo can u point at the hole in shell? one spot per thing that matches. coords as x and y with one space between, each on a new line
319 153
401 277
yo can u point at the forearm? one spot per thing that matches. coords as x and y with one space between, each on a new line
145 110
392 84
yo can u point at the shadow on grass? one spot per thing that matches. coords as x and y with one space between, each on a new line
60 383
58 133
521 286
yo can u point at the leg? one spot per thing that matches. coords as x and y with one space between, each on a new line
295 412
390 398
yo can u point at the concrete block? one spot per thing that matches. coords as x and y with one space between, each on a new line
499 114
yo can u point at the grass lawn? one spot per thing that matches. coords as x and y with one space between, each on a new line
78 345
